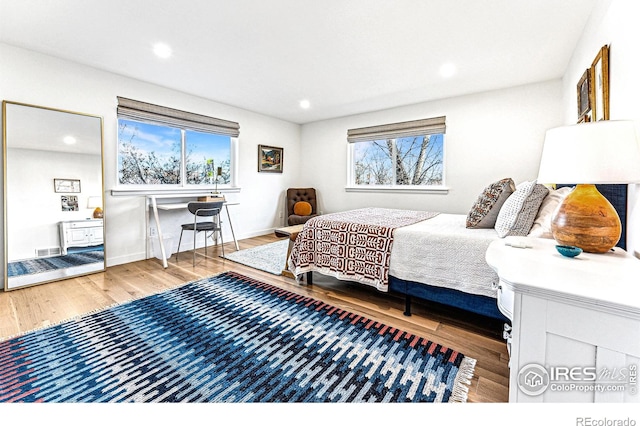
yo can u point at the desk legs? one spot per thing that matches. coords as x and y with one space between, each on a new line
159 230
231 226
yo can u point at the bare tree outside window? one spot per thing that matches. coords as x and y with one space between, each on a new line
152 154
415 160
148 154
373 163
205 153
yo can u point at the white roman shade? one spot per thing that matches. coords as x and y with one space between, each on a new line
428 126
137 110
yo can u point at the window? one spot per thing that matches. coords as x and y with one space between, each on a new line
207 156
148 154
163 146
408 155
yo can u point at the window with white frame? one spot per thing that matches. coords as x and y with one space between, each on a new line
172 148
407 155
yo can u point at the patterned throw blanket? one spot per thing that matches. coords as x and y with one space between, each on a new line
354 245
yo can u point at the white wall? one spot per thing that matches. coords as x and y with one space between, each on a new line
34 215
615 23
42 80
489 136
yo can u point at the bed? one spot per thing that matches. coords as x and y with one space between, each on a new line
432 256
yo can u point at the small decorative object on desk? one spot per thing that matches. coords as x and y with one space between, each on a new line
212 197
568 251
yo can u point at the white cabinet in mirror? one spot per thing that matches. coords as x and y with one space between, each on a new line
52 175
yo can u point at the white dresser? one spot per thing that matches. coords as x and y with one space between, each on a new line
81 233
575 332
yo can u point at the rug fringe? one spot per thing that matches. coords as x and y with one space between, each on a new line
104 308
460 391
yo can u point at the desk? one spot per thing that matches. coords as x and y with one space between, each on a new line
178 206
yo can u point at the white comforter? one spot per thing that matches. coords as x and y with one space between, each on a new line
442 252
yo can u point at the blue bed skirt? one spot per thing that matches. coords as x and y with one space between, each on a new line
482 305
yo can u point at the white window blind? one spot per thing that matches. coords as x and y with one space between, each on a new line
428 126
137 110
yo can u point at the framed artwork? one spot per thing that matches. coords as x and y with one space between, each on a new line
69 203
66 185
584 97
600 83
270 159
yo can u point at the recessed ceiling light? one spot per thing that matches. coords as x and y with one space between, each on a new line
305 104
69 140
162 50
447 70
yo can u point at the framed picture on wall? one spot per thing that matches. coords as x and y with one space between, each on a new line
584 96
270 159
69 203
600 79
66 185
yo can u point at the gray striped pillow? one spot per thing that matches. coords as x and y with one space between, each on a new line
518 213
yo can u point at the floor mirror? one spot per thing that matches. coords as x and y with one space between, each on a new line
53 194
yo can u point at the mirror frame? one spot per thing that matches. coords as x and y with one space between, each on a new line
5 105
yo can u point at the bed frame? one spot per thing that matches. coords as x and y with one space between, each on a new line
478 304
487 306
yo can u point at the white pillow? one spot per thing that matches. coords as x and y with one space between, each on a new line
542 224
511 208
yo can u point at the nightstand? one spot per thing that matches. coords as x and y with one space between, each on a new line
81 233
575 322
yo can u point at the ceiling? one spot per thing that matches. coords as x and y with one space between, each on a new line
47 129
344 56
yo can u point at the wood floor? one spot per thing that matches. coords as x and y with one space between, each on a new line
39 306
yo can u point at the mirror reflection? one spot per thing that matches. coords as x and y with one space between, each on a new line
53 194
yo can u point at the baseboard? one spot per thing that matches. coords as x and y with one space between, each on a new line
135 257
256 233
121 260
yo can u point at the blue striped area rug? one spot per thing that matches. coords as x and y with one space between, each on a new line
228 338
35 266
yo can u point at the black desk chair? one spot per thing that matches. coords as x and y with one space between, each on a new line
210 227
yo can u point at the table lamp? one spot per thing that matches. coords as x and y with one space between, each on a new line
95 202
586 154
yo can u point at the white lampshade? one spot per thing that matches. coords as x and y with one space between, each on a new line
94 201
602 152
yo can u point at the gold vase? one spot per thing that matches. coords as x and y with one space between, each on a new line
586 219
